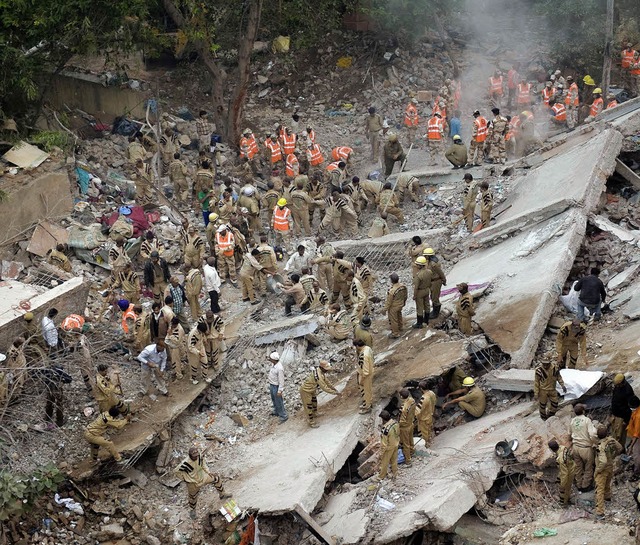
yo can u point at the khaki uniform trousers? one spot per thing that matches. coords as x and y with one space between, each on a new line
389 457
547 403
476 149
212 348
310 403
132 296
485 216
97 441
158 290
498 148
619 430
175 355
227 264
246 283
198 364
468 216
194 306
436 288
573 351
193 259
393 211
567 473
193 489
366 391
325 276
341 288
395 319
422 303
406 442
584 457
464 325
425 427
603 479
301 220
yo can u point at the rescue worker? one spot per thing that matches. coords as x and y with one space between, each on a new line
486 204
435 135
193 470
620 411
57 258
457 153
339 323
424 412
411 120
292 165
414 250
584 438
523 95
192 288
105 391
393 153
364 356
144 175
407 183
176 341
362 332
387 201
225 250
336 174
396 300
299 203
572 102
309 389
546 376
558 113
633 432
249 201
314 156
249 150
406 423
340 284
281 223
421 292
513 79
178 177
611 101
153 362
250 267
197 355
269 200
324 252
288 141
141 327
193 247
316 299
389 442
342 153
464 309
135 150
118 257
607 450
295 294
571 340
129 281
379 226
598 103
156 275
566 469
213 336
497 132
317 191
496 89
273 151
473 401
547 92
438 279
266 258
634 71
94 432
478 138
373 126
149 244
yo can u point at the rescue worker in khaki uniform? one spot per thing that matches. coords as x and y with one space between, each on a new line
193 248
424 412
58 258
465 309
571 340
362 332
142 328
358 297
213 336
149 245
421 292
438 279
339 323
396 300
544 388
299 203
373 126
105 391
389 442
606 452
364 354
316 299
473 401
129 281
486 204
192 288
309 390
341 285
268 201
393 153
408 185
194 472
584 437
178 177
266 258
249 270
498 129
387 201
469 194
415 250
94 433
176 341
566 469
325 253
406 423
196 353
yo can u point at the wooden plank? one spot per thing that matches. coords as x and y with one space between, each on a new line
627 174
313 526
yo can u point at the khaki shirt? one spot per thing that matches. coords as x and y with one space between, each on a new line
105 421
390 436
363 335
407 413
426 407
476 400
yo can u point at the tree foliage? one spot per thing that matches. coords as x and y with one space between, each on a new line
20 493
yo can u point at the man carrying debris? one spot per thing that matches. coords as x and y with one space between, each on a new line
547 375
566 469
592 295
606 452
571 339
364 354
94 432
276 387
620 411
465 309
58 258
153 360
194 472
473 401
309 390
389 442
156 275
406 422
396 300
421 291
584 438
424 412
393 153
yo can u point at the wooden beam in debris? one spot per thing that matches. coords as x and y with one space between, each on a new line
313 526
627 174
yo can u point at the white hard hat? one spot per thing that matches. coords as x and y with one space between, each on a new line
385 125
3 357
274 356
223 227
248 190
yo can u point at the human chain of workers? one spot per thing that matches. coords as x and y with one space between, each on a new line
249 228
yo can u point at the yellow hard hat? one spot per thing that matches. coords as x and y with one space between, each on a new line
28 316
282 202
393 137
421 260
468 381
428 251
588 80
597 90
213 216
456 137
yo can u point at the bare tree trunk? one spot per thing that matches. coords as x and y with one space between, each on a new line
606 69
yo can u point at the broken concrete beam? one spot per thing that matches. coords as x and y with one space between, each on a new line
622 279
342 521
511 380
290 332
313 526
631 308
369 466
627 174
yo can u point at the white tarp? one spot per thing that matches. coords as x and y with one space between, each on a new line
578 382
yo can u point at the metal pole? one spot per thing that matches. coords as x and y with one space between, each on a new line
606 68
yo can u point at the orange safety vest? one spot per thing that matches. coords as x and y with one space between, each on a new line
281 219
225 243
434 128
627 57
547 94
596 107
312 136
559 112
128 314
411 116
289 143
73 321
316 155
635 69
291 164
341 153
524 90
481 126
495 86
253 146
438 110
511 79
332 166
514 125
573 92
246 149
274 148
612 104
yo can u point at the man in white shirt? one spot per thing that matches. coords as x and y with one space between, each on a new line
276 387
50 331
212 283
153 360
300 260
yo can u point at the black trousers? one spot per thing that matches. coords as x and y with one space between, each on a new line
55 401
215 307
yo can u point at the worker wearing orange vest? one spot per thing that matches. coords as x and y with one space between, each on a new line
523 98
439 107
341 153
248 145
225 249
292 166
288 141
281 222
411 120
128 315
496 90
635 74
72 322
512 84
314 153
598 103
547 93
311 135
572 102
558 113
478 137
627 56
274 150
611 101
435 134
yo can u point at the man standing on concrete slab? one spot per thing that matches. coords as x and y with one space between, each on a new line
421 292
571 339
153 361
406 422
358 297
438 279
192 288
486 204
465 309
469 194
393 153
212 283
620 411
362 331
389 442
309 390
544 388
584 438
197 354
633 432
592 295
276 387
473 401
194 472
424 412
566 469
365 375
606 452
415 250
396 300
